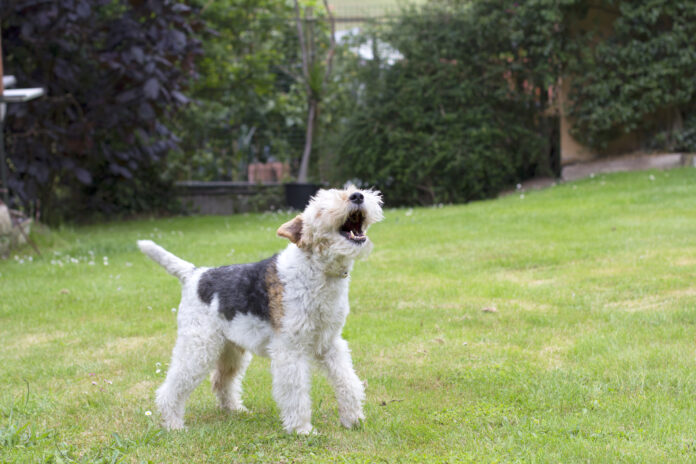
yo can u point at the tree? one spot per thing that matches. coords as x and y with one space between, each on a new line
316 70
241 109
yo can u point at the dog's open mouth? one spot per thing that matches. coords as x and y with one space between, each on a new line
352 229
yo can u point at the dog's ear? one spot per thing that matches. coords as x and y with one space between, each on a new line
292 230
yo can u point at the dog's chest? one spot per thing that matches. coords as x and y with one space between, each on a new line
322 307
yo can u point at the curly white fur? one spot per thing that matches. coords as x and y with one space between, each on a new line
314 273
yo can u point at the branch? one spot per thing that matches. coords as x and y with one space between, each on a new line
332 47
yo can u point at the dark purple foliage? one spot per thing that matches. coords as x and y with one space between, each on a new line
114 72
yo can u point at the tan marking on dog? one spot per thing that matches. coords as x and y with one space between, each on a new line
275 297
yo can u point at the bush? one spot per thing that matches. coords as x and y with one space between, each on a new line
460 116
638 76
114 72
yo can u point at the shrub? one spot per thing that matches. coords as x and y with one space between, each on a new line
460 116
114 71
638 76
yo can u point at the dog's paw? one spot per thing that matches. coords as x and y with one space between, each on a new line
174 425
242 409
350 421
305 430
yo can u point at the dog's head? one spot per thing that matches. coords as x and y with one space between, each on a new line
336 221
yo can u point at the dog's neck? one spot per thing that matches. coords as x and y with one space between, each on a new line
326 265
332 266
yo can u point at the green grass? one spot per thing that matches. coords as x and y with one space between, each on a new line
590 356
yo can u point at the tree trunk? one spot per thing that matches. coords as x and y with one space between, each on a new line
309 136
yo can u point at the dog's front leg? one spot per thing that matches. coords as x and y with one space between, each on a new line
350 392
291 388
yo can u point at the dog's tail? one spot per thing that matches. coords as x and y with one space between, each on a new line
173 264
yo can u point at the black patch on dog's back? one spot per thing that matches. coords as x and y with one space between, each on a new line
241 288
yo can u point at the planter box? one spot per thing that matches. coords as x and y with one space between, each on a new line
297 195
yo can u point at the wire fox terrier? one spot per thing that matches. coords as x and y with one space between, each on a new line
290 307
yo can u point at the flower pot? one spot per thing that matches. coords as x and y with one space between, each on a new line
298 194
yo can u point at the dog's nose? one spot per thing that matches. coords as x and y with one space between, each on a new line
357 198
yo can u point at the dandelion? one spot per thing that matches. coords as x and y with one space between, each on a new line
148 413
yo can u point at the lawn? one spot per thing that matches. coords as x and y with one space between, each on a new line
588 354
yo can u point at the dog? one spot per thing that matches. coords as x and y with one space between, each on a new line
290 307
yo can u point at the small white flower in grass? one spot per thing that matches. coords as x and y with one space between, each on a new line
158 371
651 177
158 364
522 197
128 264
148 413
74 260
409 212
149 308
173 310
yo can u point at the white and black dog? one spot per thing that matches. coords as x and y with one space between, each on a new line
290 307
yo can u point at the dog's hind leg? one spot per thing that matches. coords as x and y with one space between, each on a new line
350 392
227 378
193 357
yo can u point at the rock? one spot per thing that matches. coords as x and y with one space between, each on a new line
5 220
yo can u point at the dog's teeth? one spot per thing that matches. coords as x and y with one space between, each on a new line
351 234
